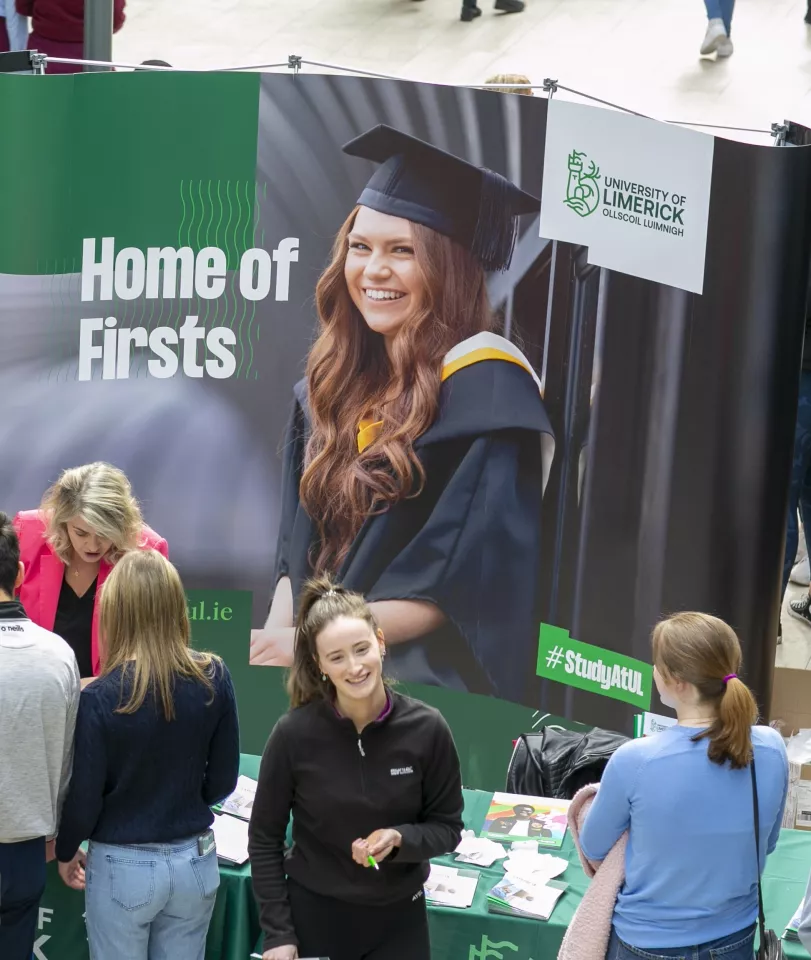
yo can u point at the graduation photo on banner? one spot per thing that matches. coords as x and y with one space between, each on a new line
314 321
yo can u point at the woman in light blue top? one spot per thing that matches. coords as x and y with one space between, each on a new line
685 798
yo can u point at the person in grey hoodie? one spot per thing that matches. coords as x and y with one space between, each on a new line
39 699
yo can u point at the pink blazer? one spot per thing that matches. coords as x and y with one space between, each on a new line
44 573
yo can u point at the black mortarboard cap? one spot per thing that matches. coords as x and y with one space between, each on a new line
419 182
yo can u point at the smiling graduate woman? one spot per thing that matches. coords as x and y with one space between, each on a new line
419 443
372 779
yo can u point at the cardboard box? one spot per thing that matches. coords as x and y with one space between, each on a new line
790 711
790 708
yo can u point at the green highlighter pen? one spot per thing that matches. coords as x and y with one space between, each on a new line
372 862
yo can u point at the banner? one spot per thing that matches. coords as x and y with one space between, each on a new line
635 191
515 436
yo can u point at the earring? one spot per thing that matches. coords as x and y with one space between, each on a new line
324 677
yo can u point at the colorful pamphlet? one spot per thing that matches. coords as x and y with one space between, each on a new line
514 896
513 817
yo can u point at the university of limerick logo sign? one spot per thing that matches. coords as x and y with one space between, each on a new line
582 191
638 204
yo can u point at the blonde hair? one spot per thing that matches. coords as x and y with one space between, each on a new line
321 602
145 630
503 78
101 495
705 651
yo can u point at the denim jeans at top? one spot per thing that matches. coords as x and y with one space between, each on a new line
149 902
721 10
737 946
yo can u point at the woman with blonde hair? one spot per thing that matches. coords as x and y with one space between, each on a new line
86 522
686 796
506 83
372 780
157 744
419 443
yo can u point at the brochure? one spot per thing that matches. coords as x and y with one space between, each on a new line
240 803
513 896
513 817
451 887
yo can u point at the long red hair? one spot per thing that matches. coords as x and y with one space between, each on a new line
350 376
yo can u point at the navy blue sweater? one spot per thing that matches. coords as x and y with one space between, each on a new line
138 778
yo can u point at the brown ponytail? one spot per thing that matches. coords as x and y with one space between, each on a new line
704 651
321 602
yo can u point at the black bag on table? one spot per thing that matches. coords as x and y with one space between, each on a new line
556 763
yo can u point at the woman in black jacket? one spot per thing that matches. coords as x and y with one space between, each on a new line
372 779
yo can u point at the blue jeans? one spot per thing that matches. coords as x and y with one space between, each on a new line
149 902
721 10
737 946
799 492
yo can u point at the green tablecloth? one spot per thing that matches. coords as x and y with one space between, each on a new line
472 934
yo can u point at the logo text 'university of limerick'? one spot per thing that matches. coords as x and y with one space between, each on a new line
582 191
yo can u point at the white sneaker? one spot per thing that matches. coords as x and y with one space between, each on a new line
725 48
801 573
716 34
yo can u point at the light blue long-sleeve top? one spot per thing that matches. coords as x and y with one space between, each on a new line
690 871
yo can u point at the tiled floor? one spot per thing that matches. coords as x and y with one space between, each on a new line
642 54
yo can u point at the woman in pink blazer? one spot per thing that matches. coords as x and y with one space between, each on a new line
86 522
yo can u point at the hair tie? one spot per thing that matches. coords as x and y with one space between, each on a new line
329 593
730 676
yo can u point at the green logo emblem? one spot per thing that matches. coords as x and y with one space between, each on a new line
490 950
582 192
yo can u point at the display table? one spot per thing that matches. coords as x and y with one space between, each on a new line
472 934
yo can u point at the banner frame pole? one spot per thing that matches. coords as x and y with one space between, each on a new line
98 34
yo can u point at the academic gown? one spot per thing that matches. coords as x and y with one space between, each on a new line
469 542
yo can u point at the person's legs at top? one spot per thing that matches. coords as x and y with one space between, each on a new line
470 9
799 491
179 931
5 46
22 883
126 888
719 28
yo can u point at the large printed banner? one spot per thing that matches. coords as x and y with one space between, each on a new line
471 423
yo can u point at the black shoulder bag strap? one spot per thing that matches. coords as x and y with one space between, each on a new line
770 947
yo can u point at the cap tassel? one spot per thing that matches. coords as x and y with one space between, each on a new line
497 228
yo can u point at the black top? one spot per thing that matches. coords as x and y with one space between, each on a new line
74 623
139 778
469 543
402 772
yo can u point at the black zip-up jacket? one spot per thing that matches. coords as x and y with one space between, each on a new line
401 772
